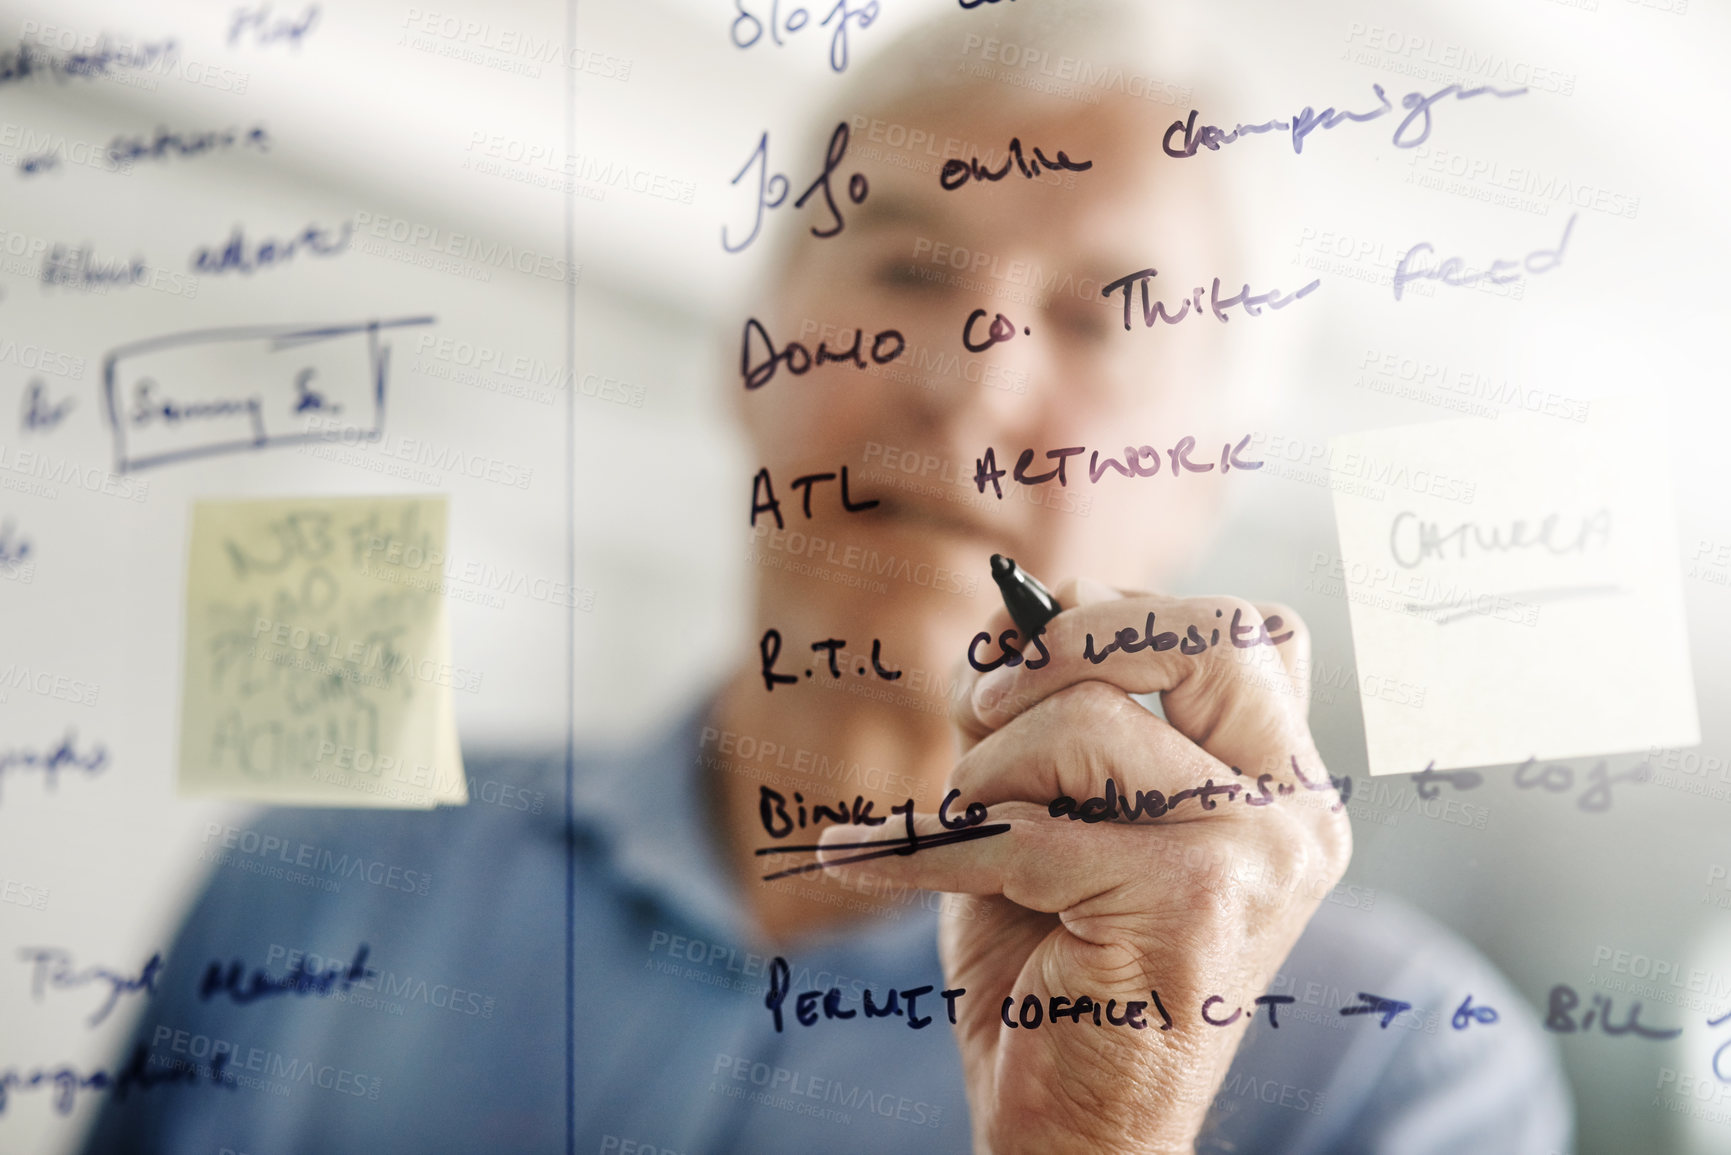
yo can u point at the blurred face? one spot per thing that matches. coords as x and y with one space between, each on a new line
919 259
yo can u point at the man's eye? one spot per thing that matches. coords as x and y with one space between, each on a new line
908 277
1083 322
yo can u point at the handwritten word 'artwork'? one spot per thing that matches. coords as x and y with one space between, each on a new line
1545 617
318 669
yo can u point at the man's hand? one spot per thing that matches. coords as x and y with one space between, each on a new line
1206 899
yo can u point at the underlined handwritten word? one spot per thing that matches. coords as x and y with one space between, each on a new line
964 828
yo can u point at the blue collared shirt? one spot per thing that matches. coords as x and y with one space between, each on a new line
449 1035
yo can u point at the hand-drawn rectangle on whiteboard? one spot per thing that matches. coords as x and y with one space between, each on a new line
228 390
1530 607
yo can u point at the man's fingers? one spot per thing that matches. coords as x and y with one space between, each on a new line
1074 741
1113 884
1018 851
1216 662
1001 635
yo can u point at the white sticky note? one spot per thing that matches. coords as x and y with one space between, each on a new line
1514 589
317 668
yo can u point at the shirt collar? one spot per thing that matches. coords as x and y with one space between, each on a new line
649 805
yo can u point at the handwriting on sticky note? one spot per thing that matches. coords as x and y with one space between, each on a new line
316 673
1555 524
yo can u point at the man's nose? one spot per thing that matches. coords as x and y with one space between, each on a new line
982 392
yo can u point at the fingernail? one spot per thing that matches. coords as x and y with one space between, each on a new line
992 688
1089 591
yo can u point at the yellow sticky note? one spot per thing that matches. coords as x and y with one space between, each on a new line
317 667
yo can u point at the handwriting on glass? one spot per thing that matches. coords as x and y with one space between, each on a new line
52 967
1563 1001
887 345
1304 123
964 828
986 468
1112 805
957 172
1241 636
769 648
769 503
770 196
1453 271
1158 311
805 1006
747 29
1553 778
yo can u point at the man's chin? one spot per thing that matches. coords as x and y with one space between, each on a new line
940 527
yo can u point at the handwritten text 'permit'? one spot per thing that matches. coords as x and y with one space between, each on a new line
318 665
1529 607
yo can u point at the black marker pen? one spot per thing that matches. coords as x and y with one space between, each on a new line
1031 604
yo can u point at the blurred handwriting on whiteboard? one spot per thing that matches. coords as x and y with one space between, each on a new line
243 388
